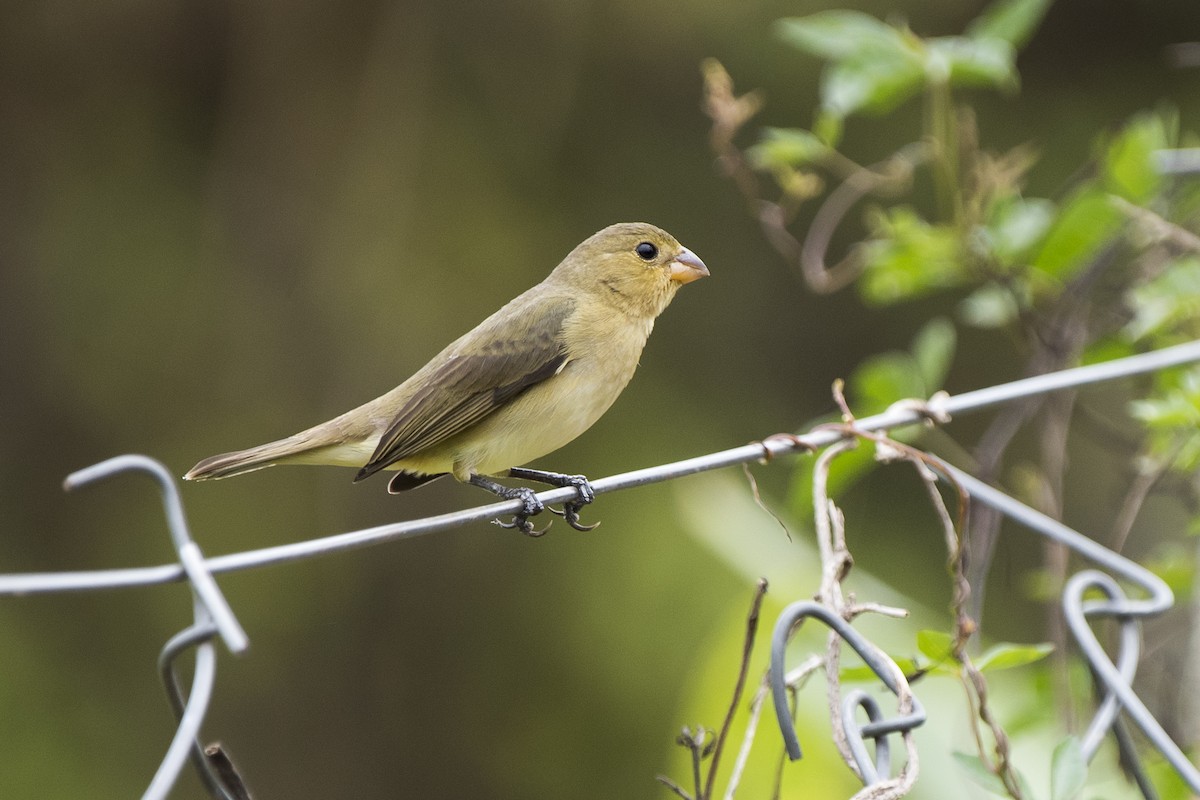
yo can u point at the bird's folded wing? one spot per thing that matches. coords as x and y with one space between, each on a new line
465 388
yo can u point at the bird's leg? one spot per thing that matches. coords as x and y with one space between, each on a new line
531 505
570 509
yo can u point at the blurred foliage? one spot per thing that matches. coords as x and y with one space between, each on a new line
1101 268
222 222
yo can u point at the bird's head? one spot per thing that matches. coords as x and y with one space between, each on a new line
634 265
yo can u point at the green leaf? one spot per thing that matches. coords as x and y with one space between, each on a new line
933 351
828 127
862 672
1175 563
790 147
989 306
883 379
979 773
1169 301
873 83
1068 770
1130 170
836 35
1086 223
1013 21
907 257
1107 349
1008 655
1174 409
1015 226
973 62
887 377
1172 417
935 645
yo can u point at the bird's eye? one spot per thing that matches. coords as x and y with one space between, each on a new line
646 251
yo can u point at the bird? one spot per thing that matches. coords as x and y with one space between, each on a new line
524 382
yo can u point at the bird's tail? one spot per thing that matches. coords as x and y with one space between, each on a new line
292 449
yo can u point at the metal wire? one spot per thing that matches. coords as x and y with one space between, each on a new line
898 416
1115 683
213 616
191 561
1117 678
872 771
190 713
883 667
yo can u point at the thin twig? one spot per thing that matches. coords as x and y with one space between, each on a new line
758 500
673 786
1003 766
739 764
760 591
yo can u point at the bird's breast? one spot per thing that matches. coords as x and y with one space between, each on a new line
557 410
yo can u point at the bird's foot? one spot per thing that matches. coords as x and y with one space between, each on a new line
571 508
531 506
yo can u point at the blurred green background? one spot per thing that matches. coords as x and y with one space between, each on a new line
222 222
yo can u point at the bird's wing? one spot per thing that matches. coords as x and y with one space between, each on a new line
465 388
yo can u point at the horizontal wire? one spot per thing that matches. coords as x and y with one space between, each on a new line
901 414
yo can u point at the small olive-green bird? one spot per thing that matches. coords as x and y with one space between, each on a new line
524 382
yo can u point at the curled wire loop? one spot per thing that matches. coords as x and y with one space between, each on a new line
204 587
212 616
872 772
1129 643
190 713
878 728
1116 679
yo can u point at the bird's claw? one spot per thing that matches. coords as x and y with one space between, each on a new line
522 523
571 508
570 512
531 506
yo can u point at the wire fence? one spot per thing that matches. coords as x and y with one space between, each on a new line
214 619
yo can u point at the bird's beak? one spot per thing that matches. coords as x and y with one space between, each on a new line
686 267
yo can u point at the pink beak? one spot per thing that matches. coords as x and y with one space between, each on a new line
686 267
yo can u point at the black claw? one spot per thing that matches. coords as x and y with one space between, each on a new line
532 506
586 495
571 508
571 513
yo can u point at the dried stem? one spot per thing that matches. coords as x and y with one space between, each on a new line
760 592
